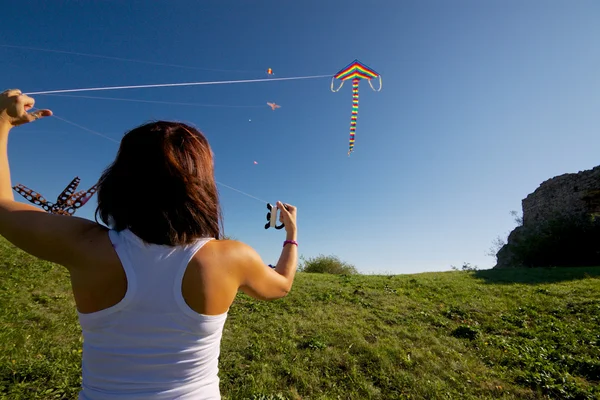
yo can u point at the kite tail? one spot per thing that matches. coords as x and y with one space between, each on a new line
354 114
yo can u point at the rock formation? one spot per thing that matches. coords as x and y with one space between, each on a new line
562 196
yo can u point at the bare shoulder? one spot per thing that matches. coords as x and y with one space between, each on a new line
95 241
66 240
89 244
231 253
240 263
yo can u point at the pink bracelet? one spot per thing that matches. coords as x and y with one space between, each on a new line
290 241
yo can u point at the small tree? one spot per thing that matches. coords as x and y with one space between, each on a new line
327 265
497 244
518 219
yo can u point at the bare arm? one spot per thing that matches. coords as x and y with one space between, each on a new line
288 260
261 282
60 239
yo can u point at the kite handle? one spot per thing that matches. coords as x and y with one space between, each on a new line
380 85
272 218
338 89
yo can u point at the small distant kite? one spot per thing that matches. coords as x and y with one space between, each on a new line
355 71
270 72
273 105
255 163
66 204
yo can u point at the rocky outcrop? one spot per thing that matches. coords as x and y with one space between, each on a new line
565 194
562 196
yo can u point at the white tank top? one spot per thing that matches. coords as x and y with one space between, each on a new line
151 345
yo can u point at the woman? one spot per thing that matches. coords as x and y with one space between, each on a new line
152 293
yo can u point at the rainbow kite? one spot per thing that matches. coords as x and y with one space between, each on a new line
355 71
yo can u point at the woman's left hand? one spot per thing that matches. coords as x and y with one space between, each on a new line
14 107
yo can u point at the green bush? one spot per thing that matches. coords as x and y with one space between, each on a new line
565 241
327 265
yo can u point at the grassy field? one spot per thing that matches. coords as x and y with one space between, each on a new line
524 334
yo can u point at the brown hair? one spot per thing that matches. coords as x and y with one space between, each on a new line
161 186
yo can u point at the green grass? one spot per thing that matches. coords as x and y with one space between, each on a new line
526 334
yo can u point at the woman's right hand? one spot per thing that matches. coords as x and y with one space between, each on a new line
14 107
287 215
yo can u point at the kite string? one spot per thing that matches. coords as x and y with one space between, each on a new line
244 193
85 129
120 58
154 101
178 84
116 141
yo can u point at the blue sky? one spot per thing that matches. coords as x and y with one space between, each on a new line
481 102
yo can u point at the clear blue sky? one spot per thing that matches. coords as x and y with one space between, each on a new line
481 102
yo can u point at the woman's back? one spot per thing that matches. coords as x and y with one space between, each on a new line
151 344
152 289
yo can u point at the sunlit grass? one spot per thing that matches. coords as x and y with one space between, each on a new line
524 334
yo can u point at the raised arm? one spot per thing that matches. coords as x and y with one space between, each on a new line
253 276
265 283
60 239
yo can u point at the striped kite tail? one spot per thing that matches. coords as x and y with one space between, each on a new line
354 114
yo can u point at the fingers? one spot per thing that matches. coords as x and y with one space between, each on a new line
287 215
282 207
17 105
281 211
286 209
33 116
25 102
20 98
44 113
11 92
28 103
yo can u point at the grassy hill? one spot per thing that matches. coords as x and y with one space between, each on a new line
525 334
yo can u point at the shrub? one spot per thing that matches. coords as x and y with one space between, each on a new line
465 267
327 265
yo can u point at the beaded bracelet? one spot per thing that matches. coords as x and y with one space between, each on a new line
290 241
